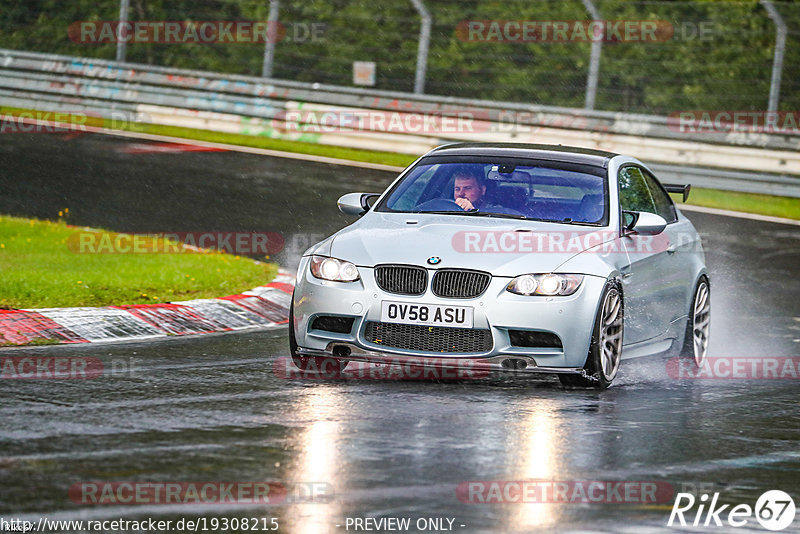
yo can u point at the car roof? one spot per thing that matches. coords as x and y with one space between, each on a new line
568 154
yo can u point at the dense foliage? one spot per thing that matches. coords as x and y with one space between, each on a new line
718 56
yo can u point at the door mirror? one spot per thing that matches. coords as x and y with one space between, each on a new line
643 223
357 203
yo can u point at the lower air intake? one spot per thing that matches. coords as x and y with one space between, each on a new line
428 338
528 338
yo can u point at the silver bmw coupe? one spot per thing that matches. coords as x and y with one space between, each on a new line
512 257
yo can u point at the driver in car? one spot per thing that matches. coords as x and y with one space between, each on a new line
468 191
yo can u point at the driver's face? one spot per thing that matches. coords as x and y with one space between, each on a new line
468 188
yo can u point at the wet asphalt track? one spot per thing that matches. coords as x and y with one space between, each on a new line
216 409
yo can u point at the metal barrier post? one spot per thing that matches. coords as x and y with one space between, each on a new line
123 19
594 58
422 49
272 37
777 60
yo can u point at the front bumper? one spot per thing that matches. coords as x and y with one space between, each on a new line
497 310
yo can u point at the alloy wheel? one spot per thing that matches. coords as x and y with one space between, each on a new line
611 334
701 319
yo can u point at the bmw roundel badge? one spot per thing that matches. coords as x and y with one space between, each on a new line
434 260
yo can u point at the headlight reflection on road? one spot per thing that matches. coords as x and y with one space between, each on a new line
538 439
317 461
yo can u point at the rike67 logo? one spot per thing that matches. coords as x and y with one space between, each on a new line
774 510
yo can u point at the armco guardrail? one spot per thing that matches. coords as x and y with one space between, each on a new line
288 110
268 93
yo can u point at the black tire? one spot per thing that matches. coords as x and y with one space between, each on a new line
328 367
688 350
292 338
596 375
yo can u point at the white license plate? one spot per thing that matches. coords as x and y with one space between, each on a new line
426 314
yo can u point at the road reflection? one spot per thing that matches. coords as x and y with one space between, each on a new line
541 449
318 461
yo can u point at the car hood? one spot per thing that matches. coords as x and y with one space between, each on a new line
504 247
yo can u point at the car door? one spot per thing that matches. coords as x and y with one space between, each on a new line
648 282
681 243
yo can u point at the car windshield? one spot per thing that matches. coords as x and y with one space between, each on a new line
508 188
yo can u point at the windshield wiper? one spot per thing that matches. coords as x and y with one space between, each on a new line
442 212
567 220
477 213
495 214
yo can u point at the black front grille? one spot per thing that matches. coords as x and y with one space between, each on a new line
428 338
401 279
460 283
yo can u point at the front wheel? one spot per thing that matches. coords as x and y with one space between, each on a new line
695 343
605 351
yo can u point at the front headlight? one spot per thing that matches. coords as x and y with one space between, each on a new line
333 269
545 284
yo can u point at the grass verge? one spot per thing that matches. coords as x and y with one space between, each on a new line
776 206
786 207
42 269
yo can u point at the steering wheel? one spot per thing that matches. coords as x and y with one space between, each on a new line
438 204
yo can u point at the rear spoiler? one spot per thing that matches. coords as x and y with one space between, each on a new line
682 189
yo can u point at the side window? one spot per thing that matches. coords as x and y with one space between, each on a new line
664 205
634 194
